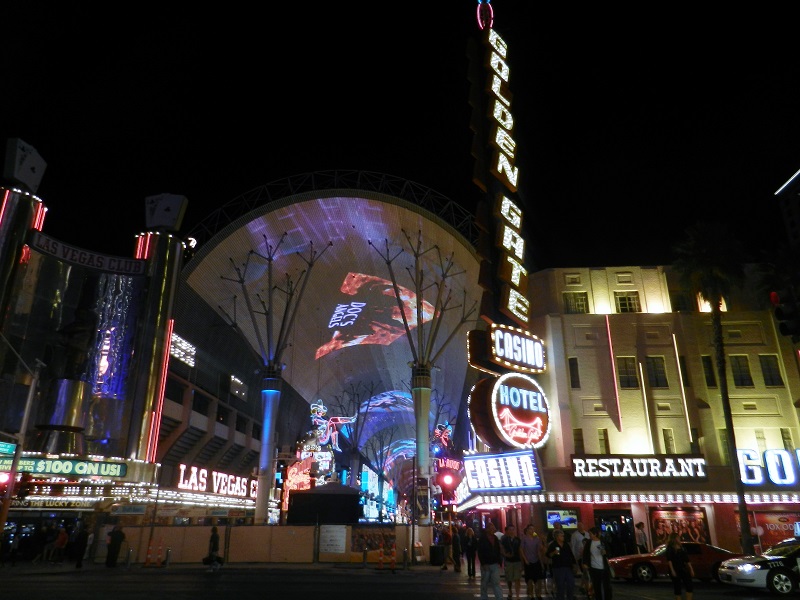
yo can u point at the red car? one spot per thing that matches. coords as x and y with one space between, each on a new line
705 559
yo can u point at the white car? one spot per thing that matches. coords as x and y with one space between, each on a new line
776 570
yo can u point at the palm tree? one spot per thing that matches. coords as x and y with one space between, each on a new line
711 263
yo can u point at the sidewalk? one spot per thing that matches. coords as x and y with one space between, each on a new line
27 569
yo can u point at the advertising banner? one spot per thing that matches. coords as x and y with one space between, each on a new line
690 524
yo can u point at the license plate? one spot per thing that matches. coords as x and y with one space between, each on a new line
725 577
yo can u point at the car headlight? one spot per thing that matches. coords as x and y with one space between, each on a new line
748 568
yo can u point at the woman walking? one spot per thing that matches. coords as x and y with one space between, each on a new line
470 549
680 569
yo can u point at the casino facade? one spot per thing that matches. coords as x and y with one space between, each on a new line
572 394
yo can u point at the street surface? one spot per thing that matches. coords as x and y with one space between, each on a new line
237 582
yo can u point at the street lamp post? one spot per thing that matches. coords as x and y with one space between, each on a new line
12 476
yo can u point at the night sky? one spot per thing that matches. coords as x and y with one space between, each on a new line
630 122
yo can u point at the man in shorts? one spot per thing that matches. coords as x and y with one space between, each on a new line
509 548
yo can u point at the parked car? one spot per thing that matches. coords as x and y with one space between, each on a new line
775 570
705 559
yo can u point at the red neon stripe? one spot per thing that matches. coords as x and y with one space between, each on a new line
3 208
155 425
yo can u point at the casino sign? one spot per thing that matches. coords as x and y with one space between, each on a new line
510 411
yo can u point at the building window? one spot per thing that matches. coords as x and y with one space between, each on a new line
627 302
723 447
656 372
256 431
576 303
574 374
682 302
684 371
223 414
669 440
602 438
761 441
786 437
241 423
200 403
626 371
577 440
770 370
740 367
708 370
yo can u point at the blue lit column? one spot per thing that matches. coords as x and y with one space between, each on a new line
270 401
421 393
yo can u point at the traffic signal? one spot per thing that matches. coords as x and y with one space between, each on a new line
787 312
448 480
4 483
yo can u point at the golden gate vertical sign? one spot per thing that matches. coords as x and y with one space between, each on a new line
503 275
502 247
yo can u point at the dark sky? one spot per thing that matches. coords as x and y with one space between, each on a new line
630 125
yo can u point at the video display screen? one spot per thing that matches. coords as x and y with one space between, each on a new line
566 516
348 326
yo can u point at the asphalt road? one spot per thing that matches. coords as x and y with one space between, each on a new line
272 582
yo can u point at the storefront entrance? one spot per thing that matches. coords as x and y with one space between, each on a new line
616 530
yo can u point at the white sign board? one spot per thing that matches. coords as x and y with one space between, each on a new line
332 538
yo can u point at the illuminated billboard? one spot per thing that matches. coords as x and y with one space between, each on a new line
349 327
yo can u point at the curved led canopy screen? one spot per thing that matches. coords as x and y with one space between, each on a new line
348 327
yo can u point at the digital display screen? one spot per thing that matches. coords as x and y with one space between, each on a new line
566 516
348 328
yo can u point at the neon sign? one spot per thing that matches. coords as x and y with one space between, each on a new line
485 14
196 479
507 347
511 410
503 167
780 467
639 467
501 472
509 270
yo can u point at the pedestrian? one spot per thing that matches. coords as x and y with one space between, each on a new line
456 543
641 538
11 543
490 558
81 544
510 549
446 540
59 551
551 535
577 542
45 538
595 564
532 553
470 550
563 564
114 541
680 569
213 549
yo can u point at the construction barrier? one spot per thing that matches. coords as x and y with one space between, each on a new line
394 556
150 561
380 556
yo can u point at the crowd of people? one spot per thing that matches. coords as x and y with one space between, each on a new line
53 543
562 566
